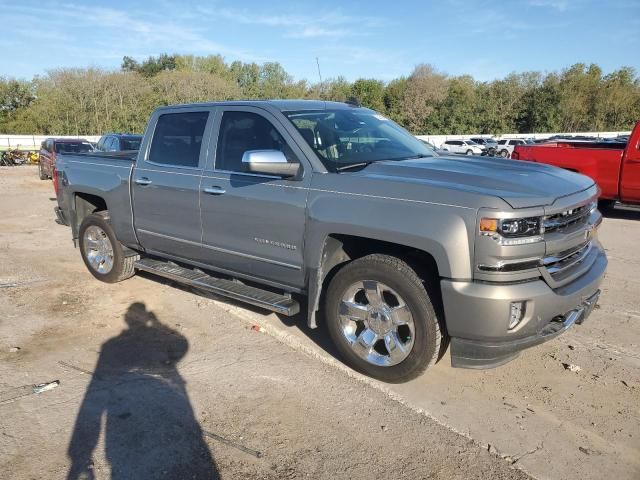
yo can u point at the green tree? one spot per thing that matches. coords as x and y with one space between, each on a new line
369 93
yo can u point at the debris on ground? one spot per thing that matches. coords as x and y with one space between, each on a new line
14 349
257 328
492 450
45 387
571 367
233 444
571 347
588 451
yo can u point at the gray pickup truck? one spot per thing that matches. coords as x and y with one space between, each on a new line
278 203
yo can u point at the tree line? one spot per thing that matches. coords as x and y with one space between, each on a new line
83 101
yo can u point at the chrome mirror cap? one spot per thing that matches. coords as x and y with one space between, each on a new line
270 162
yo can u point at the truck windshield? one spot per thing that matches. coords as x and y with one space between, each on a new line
343 137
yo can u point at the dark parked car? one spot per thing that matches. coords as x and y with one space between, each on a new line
51 147
118 142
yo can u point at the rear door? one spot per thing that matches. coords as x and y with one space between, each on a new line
166 182
253 224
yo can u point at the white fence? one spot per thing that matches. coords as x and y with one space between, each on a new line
438 140
32 142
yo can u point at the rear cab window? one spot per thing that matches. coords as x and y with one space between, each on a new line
73 147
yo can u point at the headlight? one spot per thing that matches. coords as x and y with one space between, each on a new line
512 231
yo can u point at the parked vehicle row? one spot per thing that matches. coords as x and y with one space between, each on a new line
465 147
268 202
109 142
484 146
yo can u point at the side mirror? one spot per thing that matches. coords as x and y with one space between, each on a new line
270 162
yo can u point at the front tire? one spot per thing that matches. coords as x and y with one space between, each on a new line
102 253
469 152
381 319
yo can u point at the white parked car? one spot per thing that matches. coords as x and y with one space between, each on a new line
505 146
465 147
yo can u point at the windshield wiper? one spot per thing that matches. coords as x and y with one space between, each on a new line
365 164
352 165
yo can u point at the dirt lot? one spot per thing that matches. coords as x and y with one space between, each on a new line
156 382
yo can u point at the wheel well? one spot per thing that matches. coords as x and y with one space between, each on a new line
340 249
86 204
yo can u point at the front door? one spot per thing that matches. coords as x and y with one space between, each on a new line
166 183
254 224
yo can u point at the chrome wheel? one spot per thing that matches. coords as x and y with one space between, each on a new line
377 323
98 249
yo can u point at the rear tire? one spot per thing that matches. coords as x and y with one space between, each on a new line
504 153
102 253
394 279
41 172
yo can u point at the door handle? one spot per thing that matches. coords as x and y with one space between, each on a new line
143 181
214 190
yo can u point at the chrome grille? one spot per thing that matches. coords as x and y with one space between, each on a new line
563 220
561 262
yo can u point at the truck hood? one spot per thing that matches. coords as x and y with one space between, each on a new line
520 184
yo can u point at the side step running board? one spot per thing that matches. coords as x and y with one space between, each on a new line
255 296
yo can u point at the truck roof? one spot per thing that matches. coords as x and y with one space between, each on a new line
282 105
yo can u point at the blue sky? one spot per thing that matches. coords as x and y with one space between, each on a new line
381 39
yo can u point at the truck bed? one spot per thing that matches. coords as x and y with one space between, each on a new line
599 160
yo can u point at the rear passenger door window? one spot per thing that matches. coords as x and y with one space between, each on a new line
177 139
243 131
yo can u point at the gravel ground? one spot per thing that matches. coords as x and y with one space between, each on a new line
204 391
156 382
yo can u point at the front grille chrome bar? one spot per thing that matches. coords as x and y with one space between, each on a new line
565 260
562 220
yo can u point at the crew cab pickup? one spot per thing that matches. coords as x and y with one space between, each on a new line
615 167
283 203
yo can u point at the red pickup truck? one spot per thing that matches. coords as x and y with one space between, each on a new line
614 166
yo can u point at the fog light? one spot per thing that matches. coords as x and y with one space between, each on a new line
517 314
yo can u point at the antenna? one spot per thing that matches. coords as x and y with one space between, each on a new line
320 76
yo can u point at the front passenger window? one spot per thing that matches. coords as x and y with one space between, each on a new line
243 131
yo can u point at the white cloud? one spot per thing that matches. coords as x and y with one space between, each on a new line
333 24
560 5
124 30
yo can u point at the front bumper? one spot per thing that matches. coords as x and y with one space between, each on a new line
477 315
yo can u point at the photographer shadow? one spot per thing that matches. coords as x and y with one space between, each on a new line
150 428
